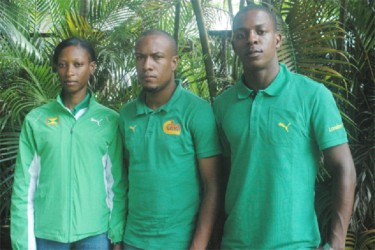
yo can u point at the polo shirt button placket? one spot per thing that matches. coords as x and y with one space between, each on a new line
151 123
255 95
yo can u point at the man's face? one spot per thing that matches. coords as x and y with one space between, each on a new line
255 40
155 62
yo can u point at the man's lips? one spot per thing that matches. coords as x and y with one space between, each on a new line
70 82
253 52
148 77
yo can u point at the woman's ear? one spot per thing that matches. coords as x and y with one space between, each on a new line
92 67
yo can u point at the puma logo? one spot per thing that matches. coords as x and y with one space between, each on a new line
97 122
286 127
132 128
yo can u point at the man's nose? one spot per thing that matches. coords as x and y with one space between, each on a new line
147 63
252 37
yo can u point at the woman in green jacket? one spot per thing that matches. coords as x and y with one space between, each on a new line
69 188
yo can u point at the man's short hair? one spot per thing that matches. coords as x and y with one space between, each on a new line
250 7
162 33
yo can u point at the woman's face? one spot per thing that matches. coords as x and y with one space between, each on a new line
74 67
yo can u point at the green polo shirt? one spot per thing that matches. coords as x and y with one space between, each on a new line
274 142
162 147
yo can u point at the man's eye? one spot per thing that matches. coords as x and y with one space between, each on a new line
157 57
239 36
260 32
78 64
61 65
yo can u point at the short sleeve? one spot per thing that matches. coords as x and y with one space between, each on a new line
326 120
204 132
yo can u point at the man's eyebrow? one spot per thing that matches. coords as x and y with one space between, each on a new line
152 54
261 25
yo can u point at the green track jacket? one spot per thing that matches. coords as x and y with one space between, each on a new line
69 180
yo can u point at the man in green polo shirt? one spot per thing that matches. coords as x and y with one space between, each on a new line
274 125
172 151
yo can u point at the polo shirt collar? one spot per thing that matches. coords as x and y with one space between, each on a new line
243 91
142 108
274 89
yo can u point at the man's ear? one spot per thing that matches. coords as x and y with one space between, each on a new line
174 62
278 38
233 47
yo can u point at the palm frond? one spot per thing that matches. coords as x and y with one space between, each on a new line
37 87
311 31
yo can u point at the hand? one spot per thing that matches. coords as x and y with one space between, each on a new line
117 246
325 247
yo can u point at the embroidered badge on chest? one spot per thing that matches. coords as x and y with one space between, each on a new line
52 121
171 128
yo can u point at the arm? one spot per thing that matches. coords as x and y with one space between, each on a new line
339 160
218 230
25 181
119 188
208 168
120 245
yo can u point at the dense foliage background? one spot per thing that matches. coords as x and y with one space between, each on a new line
330 41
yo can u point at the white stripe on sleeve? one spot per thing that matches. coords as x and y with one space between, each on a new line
34 171
108 180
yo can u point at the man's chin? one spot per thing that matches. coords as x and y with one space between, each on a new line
151 89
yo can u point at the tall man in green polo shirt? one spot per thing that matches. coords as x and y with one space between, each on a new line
172 151
275 125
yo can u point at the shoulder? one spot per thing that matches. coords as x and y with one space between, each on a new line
228 92
308 92
228 96
303 81
192 107
129 107
306 86
50 108
98 107
191 98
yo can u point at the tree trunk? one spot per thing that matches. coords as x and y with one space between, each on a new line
177 20
230 9
84 9
341 39
250 2
203 36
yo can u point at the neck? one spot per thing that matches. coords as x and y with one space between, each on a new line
72 100
260 79
158 99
